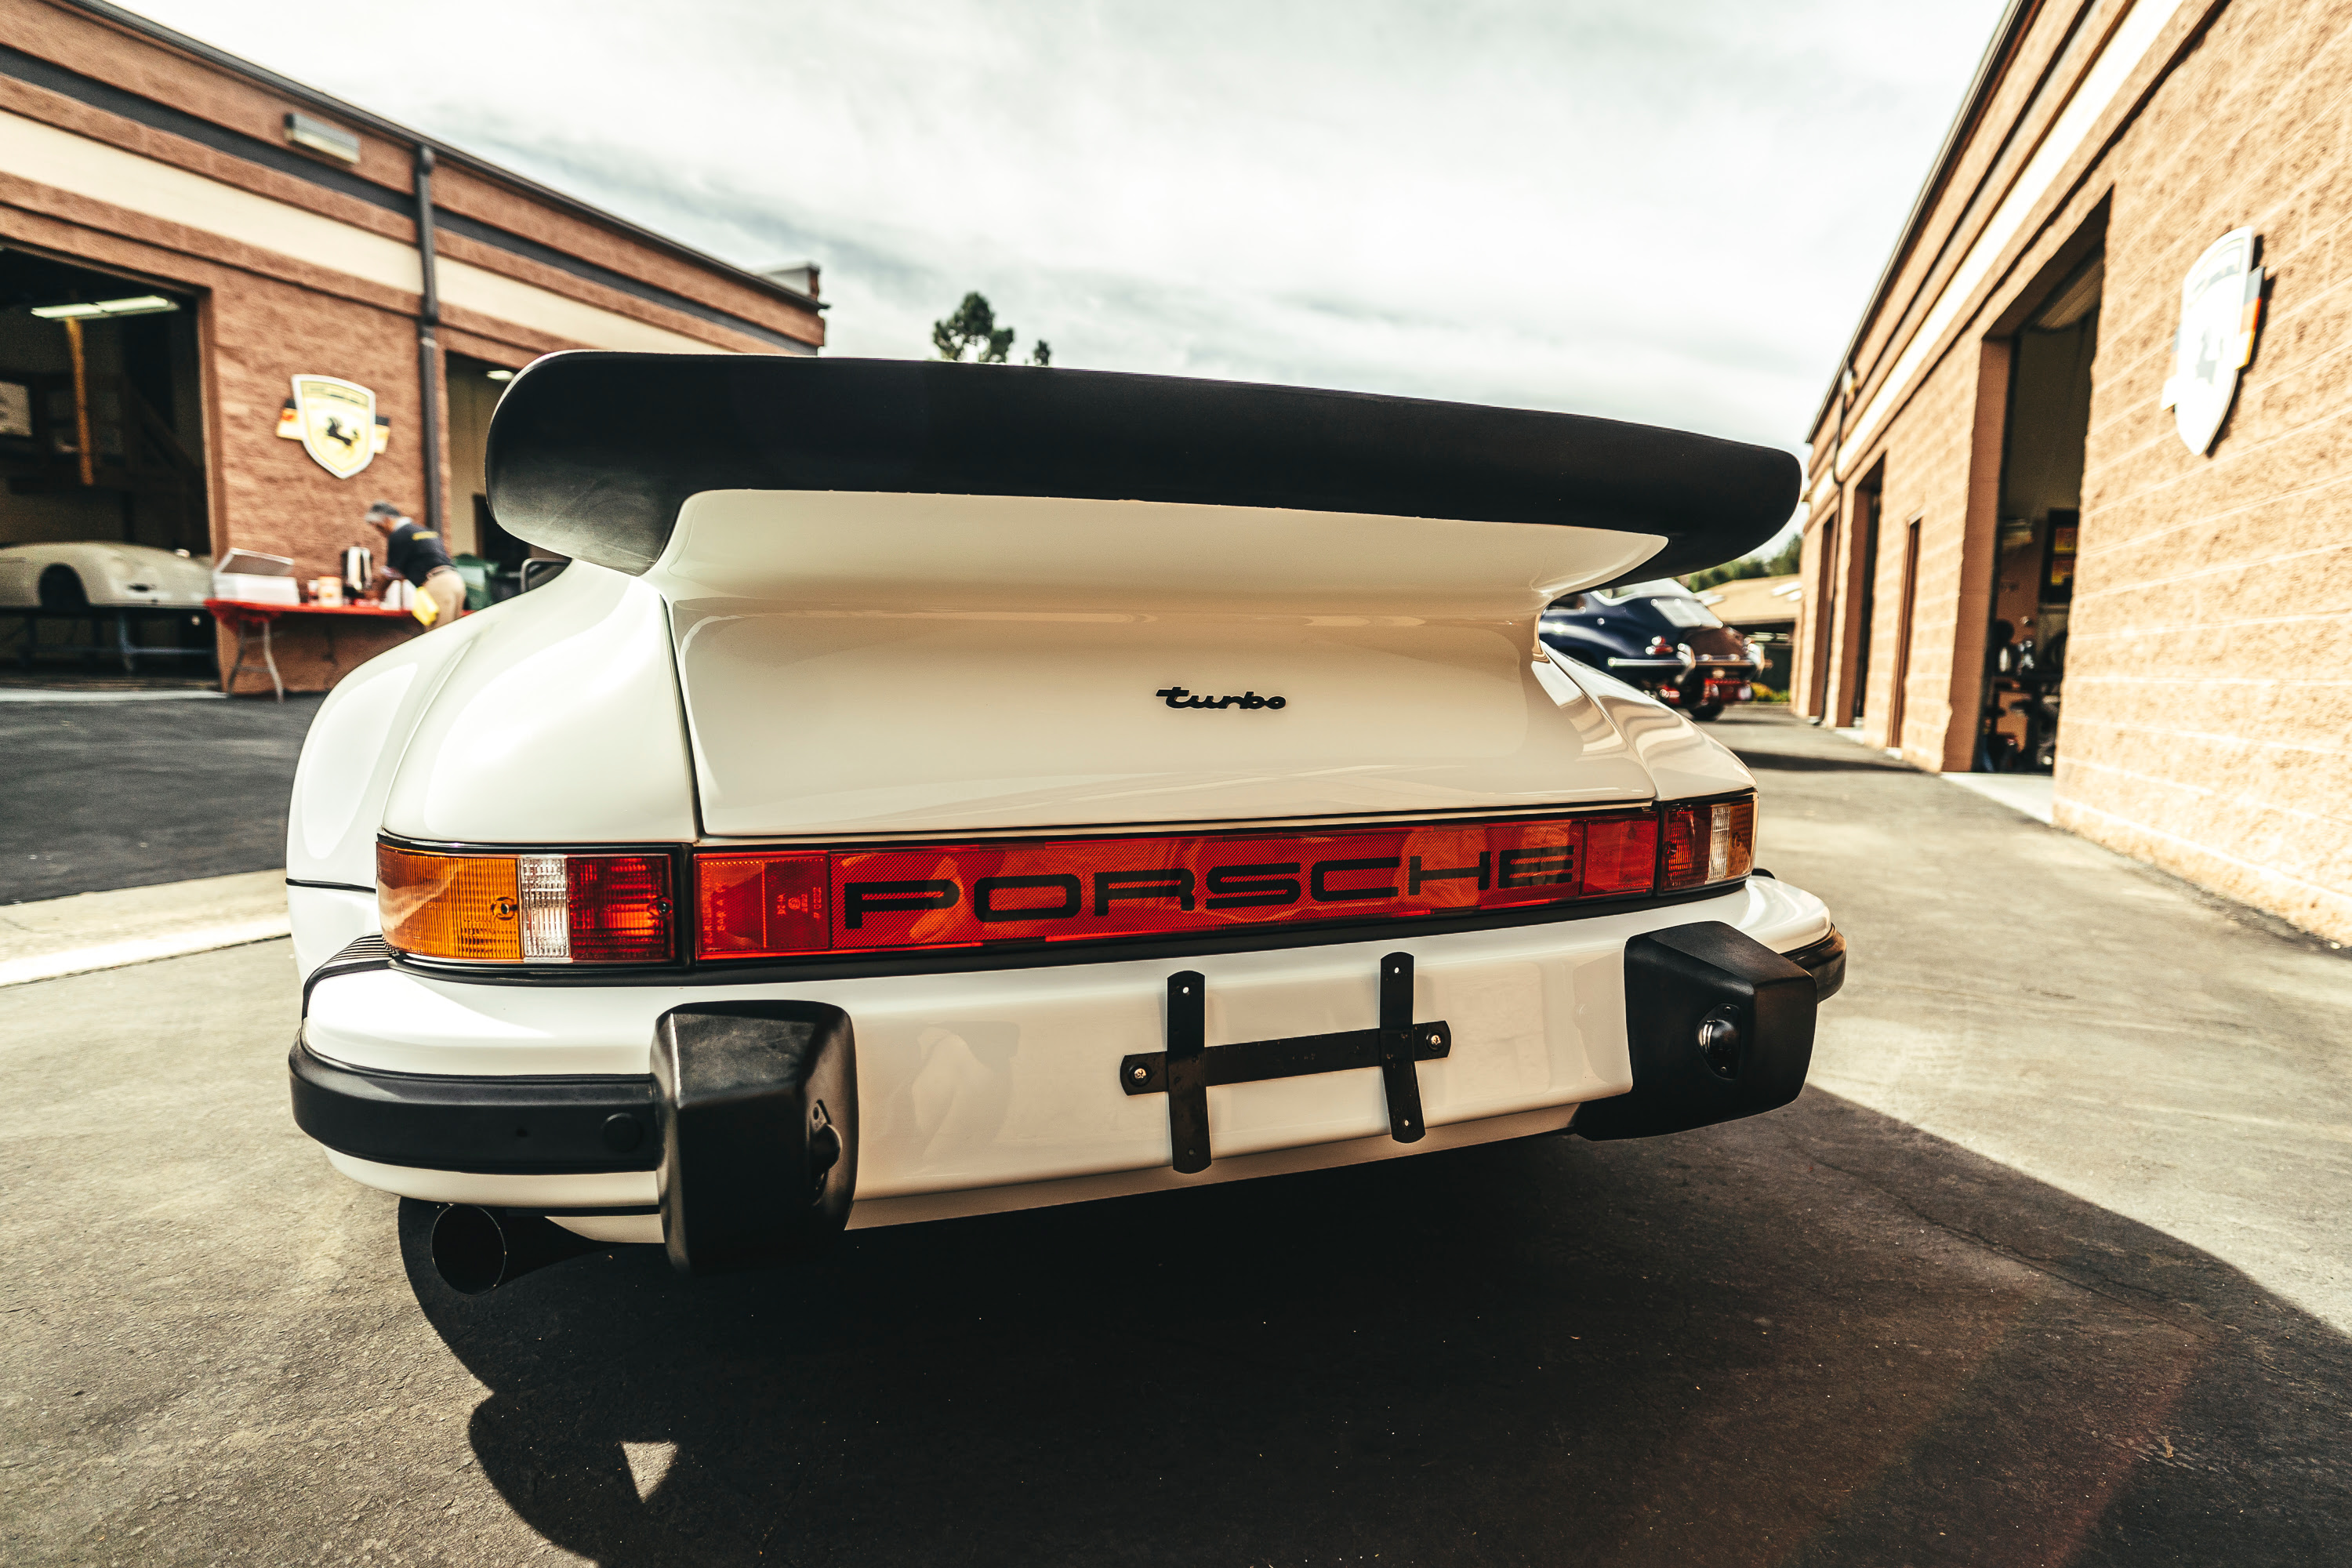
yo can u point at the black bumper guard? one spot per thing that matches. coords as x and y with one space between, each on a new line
758 1104
748 1121
1718 1026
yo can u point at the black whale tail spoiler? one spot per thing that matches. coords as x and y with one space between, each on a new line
592 454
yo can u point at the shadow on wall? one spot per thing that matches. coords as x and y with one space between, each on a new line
1820 1336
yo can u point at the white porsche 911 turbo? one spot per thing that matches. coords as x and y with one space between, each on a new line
940 789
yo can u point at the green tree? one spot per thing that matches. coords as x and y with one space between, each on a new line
1780 564
971 334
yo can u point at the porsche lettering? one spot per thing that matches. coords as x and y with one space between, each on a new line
1080 889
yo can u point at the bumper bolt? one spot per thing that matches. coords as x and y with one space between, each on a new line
1719 1042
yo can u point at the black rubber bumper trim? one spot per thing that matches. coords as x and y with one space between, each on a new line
508 1126
357 957
1825 961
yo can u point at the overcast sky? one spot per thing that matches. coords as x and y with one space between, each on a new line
1668 211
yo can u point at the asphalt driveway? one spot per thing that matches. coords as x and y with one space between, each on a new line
127 794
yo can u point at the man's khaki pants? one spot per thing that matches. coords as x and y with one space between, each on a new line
447 592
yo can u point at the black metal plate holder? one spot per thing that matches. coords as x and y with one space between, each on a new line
1187 1069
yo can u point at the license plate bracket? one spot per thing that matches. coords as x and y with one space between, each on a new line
1189 1067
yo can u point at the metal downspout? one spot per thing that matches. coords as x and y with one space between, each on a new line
428 348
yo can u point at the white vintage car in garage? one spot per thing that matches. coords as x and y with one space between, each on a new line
98 576
938 789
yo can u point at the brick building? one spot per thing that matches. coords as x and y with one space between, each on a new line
2051 522
243 230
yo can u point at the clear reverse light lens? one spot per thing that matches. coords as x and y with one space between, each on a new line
546 898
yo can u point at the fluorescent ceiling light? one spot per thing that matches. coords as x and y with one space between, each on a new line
500 375
137 305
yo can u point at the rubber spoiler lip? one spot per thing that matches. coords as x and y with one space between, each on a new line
591 454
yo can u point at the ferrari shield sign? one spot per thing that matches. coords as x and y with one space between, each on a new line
2221 310
335 421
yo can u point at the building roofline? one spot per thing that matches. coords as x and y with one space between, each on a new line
1990 68
132 22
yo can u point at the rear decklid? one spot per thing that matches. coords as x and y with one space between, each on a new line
912 597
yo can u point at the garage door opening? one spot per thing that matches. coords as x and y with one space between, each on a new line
104 526
490 557
2047 428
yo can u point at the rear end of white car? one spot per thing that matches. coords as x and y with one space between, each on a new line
936 790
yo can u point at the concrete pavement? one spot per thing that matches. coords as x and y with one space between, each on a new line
49 937
2057 1007
2042 1271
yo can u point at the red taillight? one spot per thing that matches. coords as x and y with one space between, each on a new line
1621 856
774 905
756 906
1707 844
620 907
527 909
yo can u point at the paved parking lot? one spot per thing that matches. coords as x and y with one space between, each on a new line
2046 1267
127 794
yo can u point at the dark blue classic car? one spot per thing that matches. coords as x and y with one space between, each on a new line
1656 635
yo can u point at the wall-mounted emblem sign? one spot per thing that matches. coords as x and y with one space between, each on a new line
336 422
2221 312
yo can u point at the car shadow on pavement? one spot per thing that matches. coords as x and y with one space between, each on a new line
1816 1337
1801 762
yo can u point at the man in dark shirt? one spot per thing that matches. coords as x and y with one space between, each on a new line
416 553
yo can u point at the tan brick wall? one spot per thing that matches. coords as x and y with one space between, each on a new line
269 494
2207 720
2208 705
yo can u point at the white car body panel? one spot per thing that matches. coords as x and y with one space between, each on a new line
113 576
863 664
1680 760
558 724
351 753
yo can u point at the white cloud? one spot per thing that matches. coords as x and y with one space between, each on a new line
1659 212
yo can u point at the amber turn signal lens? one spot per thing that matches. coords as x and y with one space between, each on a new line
527 909
460 907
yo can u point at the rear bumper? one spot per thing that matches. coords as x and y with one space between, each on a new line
558 1126
994 1089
